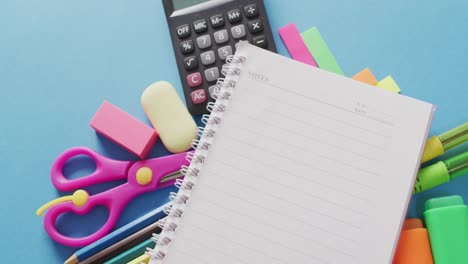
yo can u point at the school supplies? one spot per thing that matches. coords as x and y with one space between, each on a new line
437 145
447 222
169 116
389 84
142 176
413 246
295 45
141 259
124 244
132 253
118 234
441 172
297 156
366 76
124 130
204 33
320 51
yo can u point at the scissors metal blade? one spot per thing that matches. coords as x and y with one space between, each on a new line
172 176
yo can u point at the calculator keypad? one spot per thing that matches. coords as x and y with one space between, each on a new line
190 63
238 32
223 52
234 16
208 58
183 31
221 36
194 79
212 74
200 26
251 11
187 46
206 41
255 26
217 21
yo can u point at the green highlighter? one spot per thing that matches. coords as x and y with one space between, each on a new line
441 172
447 224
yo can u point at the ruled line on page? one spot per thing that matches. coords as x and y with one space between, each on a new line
305 178
236 227
383 121
351 180
308 150
238 244
322 229
338 220
309 239
311 112
295 132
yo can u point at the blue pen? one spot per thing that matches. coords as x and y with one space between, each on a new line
117 235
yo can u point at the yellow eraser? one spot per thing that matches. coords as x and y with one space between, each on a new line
169 116
389 84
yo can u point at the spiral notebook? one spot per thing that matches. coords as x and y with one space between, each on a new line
295 165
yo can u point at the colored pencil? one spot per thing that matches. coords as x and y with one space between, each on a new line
123 245
132 253
141 259
117 235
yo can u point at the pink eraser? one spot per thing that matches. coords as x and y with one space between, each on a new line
123 129
293 41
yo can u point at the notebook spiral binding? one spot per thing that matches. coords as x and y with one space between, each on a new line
222 94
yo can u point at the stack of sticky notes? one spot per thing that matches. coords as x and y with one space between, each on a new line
309 47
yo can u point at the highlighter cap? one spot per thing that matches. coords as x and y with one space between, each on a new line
444 202
413 223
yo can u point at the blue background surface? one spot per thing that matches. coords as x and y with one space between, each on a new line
60 59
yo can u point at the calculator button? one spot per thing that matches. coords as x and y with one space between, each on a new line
221 36
260 41
187 46
238 31
212 74
225 51
212 90
183 31
251 11
208 57
234 15
204 42
194 79
200 26
255 26
198 96
190 63
217 21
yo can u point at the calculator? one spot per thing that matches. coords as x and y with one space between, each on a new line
204 33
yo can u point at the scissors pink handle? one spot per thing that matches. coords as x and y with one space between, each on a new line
106 170
115 199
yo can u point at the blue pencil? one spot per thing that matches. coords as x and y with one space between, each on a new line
117 235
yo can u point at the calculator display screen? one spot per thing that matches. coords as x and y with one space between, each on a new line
181 4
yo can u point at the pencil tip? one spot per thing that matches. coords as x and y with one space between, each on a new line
72 260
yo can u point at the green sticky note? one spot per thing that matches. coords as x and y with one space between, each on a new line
389 84
320 51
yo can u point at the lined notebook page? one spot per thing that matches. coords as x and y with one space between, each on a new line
306 167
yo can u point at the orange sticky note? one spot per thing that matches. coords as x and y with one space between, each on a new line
366 76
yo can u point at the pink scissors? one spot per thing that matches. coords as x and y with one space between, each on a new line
142 176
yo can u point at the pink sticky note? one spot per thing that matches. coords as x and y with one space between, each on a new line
124 130
293 41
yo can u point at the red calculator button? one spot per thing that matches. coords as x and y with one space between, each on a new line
194 79
198 96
